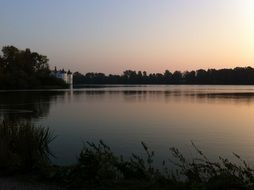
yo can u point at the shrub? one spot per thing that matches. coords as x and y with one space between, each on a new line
223 174
23 147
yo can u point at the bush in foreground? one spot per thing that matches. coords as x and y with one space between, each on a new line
23 147
98 166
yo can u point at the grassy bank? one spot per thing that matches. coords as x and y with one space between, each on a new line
24 151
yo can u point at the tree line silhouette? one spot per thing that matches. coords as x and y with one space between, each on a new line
237 76
23 69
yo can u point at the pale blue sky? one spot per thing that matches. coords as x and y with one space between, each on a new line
114 35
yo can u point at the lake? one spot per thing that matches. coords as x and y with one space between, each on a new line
218 119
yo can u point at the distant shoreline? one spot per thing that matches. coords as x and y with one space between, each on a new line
236 76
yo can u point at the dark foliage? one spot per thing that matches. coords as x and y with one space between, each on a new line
224 174
24 147
98 167
23 69
238 75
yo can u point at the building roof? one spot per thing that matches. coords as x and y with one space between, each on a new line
61 71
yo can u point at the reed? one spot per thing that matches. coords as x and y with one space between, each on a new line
97 165
24 147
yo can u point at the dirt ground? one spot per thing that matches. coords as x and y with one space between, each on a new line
14 184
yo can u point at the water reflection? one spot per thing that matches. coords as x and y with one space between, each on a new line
173 95
216 117
18 105
22 105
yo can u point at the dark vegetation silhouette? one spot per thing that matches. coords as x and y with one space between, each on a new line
23 147
237 76
23 69
24 150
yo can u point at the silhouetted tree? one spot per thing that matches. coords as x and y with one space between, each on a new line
238 75
177 77
167 77
189 77
201 76
23 69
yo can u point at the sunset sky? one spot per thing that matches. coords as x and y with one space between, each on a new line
114 35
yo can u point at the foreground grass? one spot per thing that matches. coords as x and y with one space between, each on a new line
24 151
23 147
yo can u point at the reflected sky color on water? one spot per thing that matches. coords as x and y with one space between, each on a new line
219 119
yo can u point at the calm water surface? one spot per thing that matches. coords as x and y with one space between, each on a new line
219 119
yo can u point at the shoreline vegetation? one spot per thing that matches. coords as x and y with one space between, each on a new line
236 76
23 69
25 159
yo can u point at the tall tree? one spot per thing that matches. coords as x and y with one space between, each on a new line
21 69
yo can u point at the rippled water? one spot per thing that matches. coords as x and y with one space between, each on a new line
219 119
